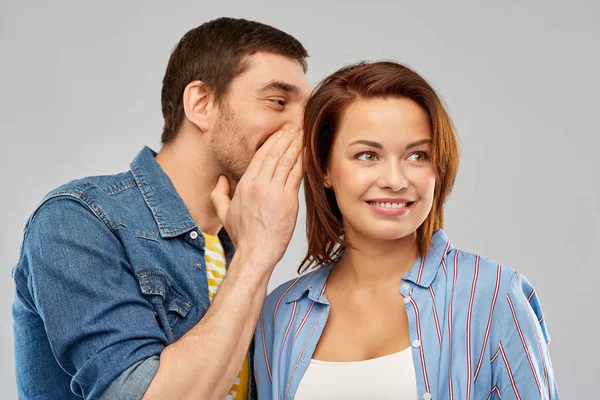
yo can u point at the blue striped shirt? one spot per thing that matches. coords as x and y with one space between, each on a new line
476 328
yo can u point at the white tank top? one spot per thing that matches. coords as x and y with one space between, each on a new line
387 377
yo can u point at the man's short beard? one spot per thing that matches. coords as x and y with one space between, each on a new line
229 144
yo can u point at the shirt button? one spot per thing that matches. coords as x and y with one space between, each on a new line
427 396
406 286
416 344
407 300
194 234
199 265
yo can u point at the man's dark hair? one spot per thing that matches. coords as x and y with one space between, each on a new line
215 53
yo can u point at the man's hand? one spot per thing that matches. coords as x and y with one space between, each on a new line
260 218
262 214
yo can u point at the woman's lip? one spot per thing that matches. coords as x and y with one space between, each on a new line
394 212
389 200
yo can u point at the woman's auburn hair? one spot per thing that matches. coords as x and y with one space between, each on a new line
367 80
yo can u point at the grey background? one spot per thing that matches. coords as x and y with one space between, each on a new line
80 95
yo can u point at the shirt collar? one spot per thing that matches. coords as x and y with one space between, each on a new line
169 210
312 283
422 272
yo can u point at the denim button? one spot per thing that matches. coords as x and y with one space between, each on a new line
194 235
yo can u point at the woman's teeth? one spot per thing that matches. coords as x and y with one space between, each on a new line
388 205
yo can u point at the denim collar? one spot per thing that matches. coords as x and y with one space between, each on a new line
167 207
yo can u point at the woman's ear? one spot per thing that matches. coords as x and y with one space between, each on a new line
327 180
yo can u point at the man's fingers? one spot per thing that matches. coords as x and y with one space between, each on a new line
261 153
294 177
287 161
274 155
259 156
220 198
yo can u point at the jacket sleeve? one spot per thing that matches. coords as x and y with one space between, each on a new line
74 273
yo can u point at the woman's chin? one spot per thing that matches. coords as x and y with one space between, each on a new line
387 233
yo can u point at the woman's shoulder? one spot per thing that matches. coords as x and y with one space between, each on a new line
479 283
282 292
484 274
294 290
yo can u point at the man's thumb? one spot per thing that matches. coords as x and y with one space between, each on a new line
220 198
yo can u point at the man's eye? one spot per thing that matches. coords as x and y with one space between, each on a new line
366 156
279 102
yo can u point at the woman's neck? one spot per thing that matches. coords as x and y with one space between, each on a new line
368 263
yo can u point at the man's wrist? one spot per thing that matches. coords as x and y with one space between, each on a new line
257 262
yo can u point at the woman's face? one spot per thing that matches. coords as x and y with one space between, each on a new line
380 168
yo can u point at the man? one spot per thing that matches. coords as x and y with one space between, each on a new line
117 273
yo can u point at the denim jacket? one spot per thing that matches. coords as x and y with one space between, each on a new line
111 270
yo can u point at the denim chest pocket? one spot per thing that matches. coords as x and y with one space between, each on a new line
171 306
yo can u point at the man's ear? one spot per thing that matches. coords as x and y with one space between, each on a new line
199 105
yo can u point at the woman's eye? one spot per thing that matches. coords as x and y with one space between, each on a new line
366 157
418 156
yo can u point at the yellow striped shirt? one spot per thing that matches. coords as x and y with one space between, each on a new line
215 272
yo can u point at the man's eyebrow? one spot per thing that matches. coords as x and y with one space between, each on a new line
282 86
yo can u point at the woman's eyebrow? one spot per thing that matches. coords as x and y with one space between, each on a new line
370 143
418 143
378 145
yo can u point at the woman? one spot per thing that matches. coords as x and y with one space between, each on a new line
390 309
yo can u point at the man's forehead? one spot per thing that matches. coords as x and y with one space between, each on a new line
269 71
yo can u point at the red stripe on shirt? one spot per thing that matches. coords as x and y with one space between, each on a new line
495 356
511 377
435 316
421 269
303 321
262 329
419 337
285 335
282 296
469 318
539 342
495 389
450 387
302 352
444 256
489 324
520 332
307 314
